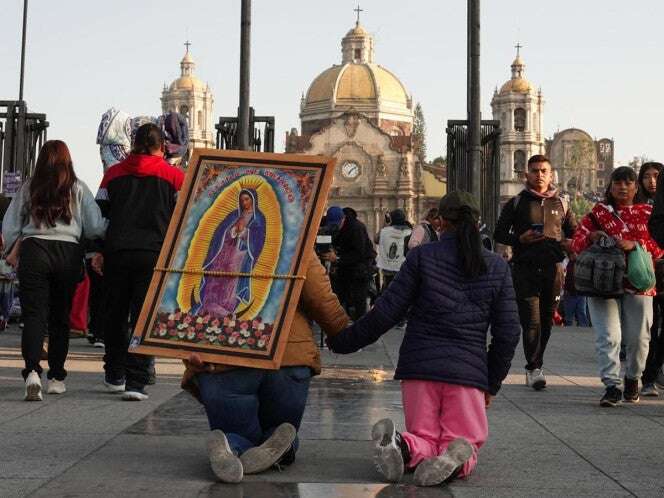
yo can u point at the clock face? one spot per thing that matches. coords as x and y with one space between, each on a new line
350 170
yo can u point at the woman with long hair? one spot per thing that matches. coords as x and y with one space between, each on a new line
647 182
48 217
452 291
628 317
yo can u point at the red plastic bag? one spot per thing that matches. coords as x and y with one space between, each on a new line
78 318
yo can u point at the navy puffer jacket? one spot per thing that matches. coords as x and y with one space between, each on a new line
449 317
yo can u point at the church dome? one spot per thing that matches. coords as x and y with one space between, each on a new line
363 82
357 83
518 85
187 83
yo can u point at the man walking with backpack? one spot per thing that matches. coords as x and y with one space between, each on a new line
538 225
425 231
392 246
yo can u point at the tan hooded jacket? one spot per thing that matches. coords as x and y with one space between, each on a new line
317 303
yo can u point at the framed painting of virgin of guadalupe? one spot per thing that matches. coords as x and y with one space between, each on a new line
231 269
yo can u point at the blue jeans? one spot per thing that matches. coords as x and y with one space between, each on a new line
575 307
248 404
627 318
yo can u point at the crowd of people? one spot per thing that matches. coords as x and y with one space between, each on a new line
463 306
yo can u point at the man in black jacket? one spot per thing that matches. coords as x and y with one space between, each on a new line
538 225
352 258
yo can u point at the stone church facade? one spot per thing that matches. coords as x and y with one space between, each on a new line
361 114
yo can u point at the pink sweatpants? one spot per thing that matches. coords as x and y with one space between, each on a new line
437 413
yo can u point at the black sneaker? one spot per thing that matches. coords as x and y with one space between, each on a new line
612 397
631 394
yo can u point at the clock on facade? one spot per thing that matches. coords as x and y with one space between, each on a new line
350 170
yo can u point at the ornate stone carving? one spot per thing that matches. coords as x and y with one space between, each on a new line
350 125
380 166
403 166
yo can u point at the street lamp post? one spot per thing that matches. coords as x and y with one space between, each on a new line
25 25
245 59
474 114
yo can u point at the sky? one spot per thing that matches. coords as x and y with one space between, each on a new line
598 62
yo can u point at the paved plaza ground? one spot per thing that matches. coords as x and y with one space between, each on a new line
557 442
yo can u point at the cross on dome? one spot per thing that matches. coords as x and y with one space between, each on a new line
187 44
518 47
358 10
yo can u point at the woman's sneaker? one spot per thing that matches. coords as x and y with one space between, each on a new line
225 464
56 387
260 458
612 397
388 454
33 387
434 471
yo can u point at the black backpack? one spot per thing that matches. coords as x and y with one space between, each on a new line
599 270
431 233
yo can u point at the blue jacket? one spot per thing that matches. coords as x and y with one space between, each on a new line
448 319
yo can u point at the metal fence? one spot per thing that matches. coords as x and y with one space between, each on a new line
460 173
261 140
22 134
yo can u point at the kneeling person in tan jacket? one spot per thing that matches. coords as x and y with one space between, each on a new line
254 414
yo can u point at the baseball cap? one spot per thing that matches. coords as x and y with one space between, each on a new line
334 215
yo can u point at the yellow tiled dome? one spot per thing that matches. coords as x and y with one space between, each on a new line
517 85
354 81
187 83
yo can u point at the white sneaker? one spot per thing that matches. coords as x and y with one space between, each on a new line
535 379
33 387
56 387
114 388
134 396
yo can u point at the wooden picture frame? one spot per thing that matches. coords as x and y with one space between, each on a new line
231 269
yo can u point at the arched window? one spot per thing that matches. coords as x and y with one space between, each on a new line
199 120
519 161
519 119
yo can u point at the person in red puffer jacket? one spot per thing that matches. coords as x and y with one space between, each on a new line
628 317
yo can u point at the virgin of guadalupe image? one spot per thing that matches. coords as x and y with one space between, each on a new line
235 247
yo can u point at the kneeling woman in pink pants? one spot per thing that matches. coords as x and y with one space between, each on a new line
452 291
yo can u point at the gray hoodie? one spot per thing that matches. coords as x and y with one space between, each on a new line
86 220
